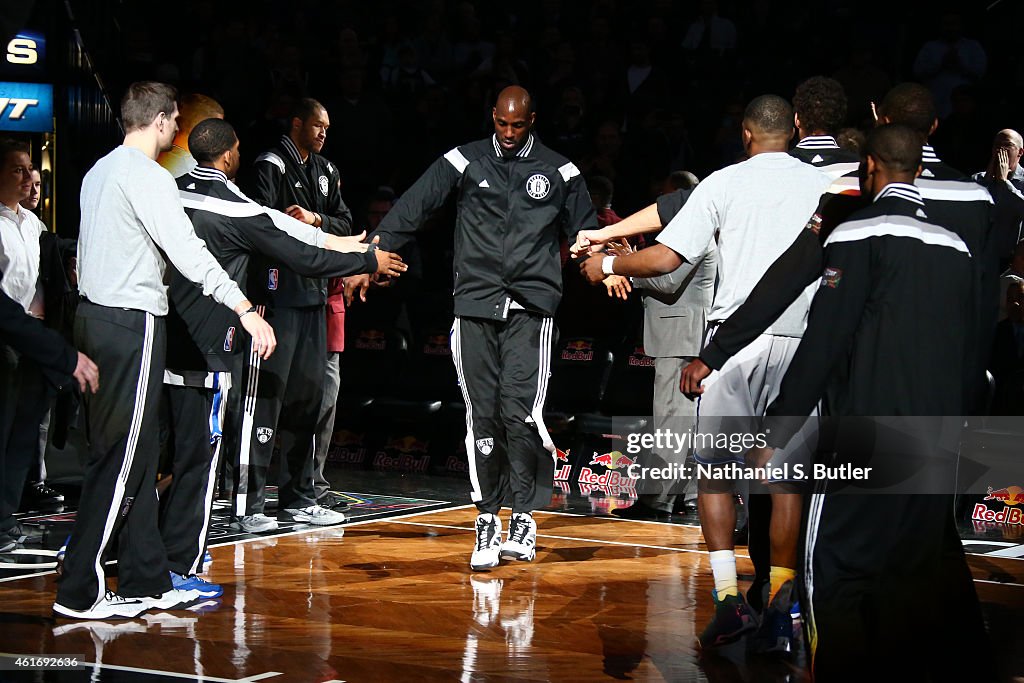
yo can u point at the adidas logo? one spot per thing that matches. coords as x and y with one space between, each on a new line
298 184
191 186
927 174
484 183
817 159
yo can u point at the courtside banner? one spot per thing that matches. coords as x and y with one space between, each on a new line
860 455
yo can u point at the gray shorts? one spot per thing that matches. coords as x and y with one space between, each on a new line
735 398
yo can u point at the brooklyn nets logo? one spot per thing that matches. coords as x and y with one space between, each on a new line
323 184
485 446
538 186
263 434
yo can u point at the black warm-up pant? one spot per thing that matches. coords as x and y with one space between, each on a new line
503 368
279 396
24 398
119 488
187 505
888 593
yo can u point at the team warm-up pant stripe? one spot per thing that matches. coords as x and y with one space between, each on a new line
223 383
248 412
547 331
135 428
474 479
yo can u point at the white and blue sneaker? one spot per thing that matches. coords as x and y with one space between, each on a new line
205 588
487 552
522 538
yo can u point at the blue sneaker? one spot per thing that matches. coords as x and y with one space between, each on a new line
733 619
195 583
207 558
775 634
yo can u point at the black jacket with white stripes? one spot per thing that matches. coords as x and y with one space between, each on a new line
201 333
512 211
951 199
825 154
895 306
279 179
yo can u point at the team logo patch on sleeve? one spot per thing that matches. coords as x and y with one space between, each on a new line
814 224
538 186
832 277
272 279
323 184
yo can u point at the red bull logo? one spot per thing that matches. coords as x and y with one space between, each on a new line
1007 515
613 461
371 340
562 455
610 483
407 444
562 473
578 350
639 359
402 462
437 345
1011 495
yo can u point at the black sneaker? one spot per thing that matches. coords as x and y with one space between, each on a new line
775 634
39 497
733 619
332 501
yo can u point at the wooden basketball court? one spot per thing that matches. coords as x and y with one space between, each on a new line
394 600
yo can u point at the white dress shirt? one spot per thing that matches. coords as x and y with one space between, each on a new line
19 257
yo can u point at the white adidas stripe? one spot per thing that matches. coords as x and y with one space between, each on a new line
135 428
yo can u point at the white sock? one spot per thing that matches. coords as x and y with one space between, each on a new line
723 567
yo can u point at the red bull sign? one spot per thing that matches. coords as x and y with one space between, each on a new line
1010 497
578 350
371 340
613 461
639 359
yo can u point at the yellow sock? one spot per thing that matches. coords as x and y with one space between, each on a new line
779 576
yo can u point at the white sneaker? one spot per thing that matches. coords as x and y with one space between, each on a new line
522 538
172 599
254 524
486 554
314 514
110 606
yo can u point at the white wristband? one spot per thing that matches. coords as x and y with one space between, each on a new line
606 265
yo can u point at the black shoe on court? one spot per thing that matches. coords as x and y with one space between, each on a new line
332 501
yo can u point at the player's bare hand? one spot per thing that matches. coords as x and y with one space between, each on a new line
300 214
588 242
356 284
618 286
352 244
87 374
619 248
695 372
591 269
389 263
263 340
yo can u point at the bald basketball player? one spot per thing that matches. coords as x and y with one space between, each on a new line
192 109
516 198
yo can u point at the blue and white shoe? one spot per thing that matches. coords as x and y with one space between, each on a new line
207 558
196 583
